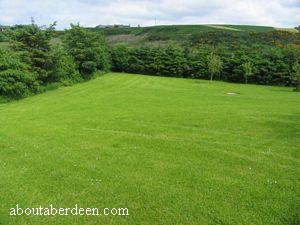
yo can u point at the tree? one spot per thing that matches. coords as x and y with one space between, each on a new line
174 61
88 49
296 75
197 61
32 44
215 65
248 70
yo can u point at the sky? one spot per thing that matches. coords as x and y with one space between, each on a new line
277 13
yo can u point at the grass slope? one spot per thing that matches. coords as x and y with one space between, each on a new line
173 151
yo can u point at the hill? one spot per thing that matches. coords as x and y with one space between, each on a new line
182 29
184 33
121 139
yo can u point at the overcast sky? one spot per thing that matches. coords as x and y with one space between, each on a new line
278 13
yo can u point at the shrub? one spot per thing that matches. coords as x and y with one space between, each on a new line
15 79
120 58
64 67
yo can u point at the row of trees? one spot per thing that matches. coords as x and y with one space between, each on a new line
32 62
257 64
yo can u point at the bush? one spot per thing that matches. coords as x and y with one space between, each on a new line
163 61
120 58
64 67
15 79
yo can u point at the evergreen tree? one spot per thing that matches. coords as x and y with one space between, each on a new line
32 44
88 49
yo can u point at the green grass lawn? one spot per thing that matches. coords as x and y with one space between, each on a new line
172 151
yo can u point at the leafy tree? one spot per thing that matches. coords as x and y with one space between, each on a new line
215 65
88 49
15 79
248 70
296 75
32 43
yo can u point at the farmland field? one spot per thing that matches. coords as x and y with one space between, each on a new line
172 151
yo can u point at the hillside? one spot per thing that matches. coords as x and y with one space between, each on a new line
187 33
180 30
167 149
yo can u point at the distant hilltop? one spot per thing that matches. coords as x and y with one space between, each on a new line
113 26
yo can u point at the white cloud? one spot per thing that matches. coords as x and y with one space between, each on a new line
280 13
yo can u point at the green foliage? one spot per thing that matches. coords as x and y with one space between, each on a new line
173 61
215 64
15 79
37 60
296 75
166 61
64 67
268 64
120 57
197 61
32 43
88 50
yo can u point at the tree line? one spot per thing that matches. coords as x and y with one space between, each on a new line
33 64
256 64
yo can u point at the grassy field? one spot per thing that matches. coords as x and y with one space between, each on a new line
172 151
